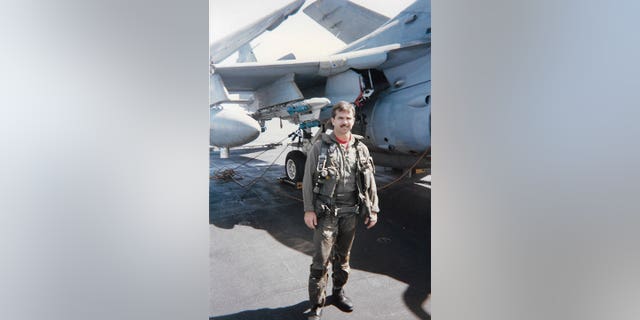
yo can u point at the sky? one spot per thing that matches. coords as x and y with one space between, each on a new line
298 33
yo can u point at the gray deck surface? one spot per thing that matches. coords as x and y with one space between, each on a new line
261 250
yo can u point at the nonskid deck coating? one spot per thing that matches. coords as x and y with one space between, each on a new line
261 250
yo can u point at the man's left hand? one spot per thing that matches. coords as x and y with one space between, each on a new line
372 220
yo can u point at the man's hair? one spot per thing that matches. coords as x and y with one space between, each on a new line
343 106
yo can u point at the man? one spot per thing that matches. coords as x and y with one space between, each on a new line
338 186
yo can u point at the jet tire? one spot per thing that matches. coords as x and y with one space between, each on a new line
294 165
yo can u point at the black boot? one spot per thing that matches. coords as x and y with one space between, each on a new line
315 313
341 301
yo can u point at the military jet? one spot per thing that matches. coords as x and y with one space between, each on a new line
384 69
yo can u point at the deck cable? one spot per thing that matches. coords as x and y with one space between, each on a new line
248 186
259 154
405 172
228 174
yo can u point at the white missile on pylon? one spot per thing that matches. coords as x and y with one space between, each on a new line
296 112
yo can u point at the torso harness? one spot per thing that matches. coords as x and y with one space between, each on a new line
326 180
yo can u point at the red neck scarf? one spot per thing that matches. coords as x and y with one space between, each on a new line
344 142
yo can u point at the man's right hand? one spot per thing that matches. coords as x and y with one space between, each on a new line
310 219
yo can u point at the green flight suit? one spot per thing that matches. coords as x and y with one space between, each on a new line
335 231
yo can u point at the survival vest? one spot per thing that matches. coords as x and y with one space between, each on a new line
325 179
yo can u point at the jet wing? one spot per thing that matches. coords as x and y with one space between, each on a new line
284 81
250 76
345 19
223 48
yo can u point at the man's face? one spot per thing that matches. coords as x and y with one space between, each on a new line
342 123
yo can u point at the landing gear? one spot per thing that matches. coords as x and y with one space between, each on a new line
294 165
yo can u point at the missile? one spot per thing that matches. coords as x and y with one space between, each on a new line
299 111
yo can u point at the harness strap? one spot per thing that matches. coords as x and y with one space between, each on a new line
340 210
330 202
324 149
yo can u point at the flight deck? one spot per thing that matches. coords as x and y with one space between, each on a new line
260 248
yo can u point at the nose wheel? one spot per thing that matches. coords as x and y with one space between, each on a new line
294 165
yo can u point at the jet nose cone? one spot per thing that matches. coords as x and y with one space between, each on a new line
231 128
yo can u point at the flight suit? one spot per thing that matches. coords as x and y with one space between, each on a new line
337 216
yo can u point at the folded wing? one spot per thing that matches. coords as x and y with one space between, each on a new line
345 19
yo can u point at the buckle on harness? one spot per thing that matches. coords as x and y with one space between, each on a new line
322 160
